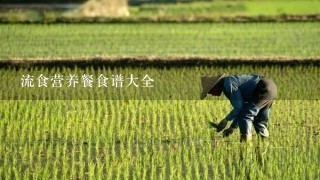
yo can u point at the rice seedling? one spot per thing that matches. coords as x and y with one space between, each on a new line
71 137
206 39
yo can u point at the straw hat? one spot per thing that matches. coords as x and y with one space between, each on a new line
208 82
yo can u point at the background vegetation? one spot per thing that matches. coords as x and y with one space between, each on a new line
191 11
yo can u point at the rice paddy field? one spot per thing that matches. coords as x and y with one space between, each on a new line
122 130
205 39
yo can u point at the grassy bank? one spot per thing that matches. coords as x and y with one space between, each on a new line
229 8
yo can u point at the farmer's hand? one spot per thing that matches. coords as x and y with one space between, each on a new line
222 124
228 132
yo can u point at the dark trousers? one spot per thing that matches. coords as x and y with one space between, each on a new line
257 111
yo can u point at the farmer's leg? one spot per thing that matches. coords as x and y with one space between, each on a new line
264 95
260 122
246 117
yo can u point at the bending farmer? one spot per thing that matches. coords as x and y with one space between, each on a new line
251 97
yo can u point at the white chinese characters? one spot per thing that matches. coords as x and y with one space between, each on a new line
86 81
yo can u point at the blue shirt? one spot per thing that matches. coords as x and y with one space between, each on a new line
239 89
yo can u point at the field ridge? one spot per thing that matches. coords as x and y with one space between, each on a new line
179 19
156 61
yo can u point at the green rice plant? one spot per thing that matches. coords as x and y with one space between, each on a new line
159 138
61 41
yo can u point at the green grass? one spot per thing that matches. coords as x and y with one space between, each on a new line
159 139
229 8
296 40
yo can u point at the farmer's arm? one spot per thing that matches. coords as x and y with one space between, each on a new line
237 103
233 93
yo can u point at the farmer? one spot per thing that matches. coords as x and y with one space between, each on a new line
251 97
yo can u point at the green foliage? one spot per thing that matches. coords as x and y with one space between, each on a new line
228 8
